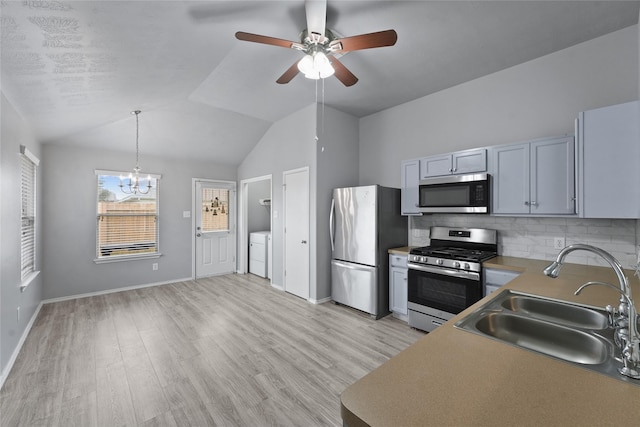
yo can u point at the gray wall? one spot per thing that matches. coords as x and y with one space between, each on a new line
536 99
70 235
258 216
15 132
336 166
332 162
288 144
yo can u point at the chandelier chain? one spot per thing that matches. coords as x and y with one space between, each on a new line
133 185
137 113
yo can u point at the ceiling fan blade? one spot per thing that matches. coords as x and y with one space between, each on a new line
367 41
289 74
342 73
316 11
256 38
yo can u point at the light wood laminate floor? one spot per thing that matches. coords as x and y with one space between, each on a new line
228 350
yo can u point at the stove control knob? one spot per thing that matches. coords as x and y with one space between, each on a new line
456 264
467 266
439 262
423 259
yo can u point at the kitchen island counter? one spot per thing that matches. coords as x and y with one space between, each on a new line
452 377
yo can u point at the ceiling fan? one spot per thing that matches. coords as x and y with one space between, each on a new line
321 46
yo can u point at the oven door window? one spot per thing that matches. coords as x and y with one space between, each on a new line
446 293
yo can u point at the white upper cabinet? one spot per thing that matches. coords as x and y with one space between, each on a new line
511 179
609 160
410 180
461 162
535 178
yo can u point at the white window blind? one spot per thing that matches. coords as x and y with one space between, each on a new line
28 169
127 224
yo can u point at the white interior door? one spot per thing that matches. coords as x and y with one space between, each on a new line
296 232
215 229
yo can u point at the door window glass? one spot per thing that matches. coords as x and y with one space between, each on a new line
215 209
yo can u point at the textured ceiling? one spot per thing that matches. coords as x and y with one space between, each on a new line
75 69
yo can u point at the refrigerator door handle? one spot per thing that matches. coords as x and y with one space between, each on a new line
352 266
332 225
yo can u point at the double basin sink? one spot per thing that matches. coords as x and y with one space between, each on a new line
574 333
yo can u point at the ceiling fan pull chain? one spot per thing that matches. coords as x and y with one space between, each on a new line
316 137
322 118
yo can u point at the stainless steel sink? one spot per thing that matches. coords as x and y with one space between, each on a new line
577 334
557 312
565 343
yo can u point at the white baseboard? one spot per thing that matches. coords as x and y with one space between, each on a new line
278 287
111 291
5 373
320 301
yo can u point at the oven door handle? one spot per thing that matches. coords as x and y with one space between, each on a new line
471 275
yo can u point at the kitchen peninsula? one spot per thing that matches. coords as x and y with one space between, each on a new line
455 378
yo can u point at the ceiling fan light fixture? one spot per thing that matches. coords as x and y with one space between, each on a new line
316 66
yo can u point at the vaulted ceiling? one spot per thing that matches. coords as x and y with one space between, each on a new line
75 69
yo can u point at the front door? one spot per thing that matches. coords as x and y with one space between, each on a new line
215 229
296 232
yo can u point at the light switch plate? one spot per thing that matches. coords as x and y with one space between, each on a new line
186 214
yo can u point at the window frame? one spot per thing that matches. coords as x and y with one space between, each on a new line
126 257
27 277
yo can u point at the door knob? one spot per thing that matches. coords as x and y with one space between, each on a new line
198 235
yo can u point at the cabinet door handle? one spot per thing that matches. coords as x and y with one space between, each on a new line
526 203
534 203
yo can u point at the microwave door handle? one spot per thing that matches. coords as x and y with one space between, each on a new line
332 224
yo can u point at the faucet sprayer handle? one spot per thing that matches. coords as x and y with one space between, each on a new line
624 297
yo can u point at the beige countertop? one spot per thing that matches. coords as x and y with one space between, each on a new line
404 250
452 377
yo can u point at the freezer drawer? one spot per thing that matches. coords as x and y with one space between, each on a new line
355 285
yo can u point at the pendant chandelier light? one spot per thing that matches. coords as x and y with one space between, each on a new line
131 185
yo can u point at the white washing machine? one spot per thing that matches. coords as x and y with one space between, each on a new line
259 245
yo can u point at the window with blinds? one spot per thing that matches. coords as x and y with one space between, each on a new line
28 169
127 224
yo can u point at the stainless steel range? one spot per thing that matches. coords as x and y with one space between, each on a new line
446 277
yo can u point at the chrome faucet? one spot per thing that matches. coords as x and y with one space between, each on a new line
624 320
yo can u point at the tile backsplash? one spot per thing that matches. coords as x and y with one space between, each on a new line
533 237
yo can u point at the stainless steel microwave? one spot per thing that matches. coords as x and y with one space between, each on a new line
455 194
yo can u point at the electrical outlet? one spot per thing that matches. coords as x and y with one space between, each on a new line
558 242
154 266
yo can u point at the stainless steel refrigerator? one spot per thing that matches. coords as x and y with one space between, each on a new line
365 222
